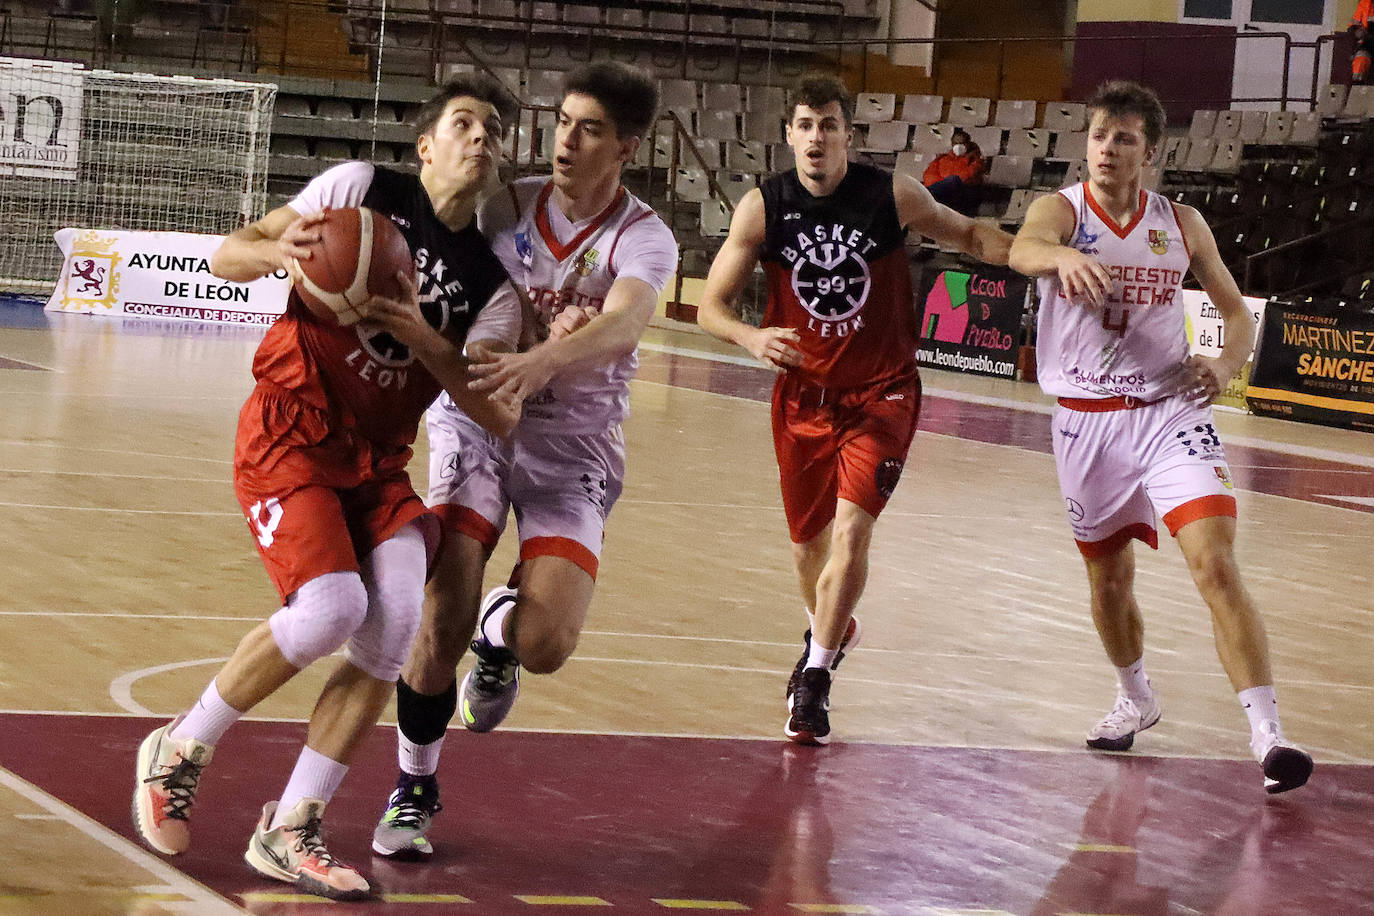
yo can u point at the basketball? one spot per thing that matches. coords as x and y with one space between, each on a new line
358 255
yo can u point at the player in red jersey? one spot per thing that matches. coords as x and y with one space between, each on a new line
320 471
841 330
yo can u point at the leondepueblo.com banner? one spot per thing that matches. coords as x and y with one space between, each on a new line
971 321
158 275
1315 366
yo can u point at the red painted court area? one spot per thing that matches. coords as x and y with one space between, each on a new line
651 825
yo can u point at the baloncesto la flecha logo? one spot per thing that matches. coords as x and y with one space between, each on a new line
830 276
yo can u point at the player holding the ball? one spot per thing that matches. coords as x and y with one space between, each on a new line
588 253
321 454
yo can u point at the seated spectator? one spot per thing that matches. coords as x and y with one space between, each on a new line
954 178
1364 42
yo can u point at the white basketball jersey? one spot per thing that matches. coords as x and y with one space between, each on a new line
578 271
1135 345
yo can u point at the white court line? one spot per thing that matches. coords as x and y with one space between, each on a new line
122 511
106 476
113 451
1048 408
122 687
201 899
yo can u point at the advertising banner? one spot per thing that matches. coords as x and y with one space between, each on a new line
1315 366
158 275
1206 335
40 117
971 320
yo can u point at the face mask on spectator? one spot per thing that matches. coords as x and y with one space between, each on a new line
958 149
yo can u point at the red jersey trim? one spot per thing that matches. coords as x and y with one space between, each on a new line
463 520
566 548
1202 507
1187 249
541 219
1120 231
610 258
1111 544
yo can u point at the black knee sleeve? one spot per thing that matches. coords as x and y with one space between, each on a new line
423 718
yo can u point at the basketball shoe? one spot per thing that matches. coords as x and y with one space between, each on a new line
295 853
1117 730
809 722
1286 766
847 645
165 788
400 834
488 691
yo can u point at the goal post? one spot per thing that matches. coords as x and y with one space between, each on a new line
97 149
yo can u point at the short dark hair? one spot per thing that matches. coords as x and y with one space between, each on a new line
1123 98
817 90
629 95
477 86
960 132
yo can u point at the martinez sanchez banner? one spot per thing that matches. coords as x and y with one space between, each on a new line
1314 366
971 321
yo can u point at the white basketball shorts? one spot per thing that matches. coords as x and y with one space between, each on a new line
1118 468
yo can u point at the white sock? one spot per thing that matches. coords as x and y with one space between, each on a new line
208 720
820 656
418 759
493 627
315 776
1260 705
1133 681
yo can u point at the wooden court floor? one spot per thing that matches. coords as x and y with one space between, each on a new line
957 781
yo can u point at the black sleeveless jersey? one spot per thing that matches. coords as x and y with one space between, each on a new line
838 273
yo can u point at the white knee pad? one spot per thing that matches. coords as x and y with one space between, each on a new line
394 574
319 617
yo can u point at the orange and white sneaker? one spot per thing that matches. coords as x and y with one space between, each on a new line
165 788
295 853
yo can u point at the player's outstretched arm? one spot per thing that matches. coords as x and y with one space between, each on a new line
718 312
1041 250
918 210
1207 377
266 245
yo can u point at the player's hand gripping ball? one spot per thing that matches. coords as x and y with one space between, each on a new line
358 255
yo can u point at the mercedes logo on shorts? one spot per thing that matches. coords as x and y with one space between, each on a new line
1075 510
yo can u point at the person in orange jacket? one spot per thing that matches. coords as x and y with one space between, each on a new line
954 177
1364 42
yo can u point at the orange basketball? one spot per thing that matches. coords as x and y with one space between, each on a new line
358 255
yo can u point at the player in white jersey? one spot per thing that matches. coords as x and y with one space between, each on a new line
593 259
1133 435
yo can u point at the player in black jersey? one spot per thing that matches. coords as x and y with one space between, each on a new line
841 331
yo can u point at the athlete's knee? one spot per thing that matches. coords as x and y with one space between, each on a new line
319 617
544 645
1214 570
1111 581
395 575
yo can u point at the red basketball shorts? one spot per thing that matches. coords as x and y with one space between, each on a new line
315 499
837 444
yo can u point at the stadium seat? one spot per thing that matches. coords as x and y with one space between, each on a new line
715 218
1076 173
709 150
781 158
1173 153
932 138
1278 128
691 184
968 111
735 184
1014 114
544 87
625 17
678 96
1359 103
989 139
1306 129
871 107
1252 124
1062 116
910 162
771 99
922 109
1072 145
765 126
663 21
1033 144
582 13
290 146
1331 101
1010 171
887 137
720 97
746 156
333 150
1201 152
718 124
1204 123
1227 125
1227 157
293 106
